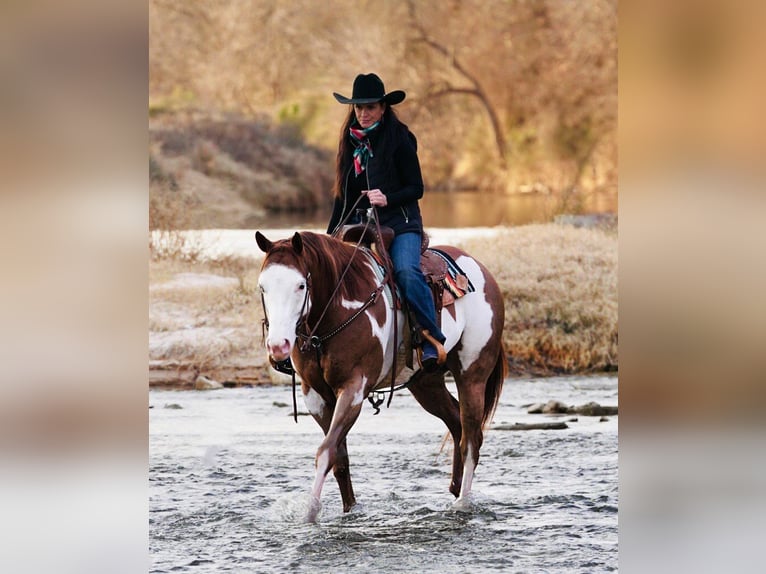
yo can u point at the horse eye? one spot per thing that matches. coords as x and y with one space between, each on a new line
302 286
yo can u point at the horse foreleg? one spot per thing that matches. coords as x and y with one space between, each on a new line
434 397
332 451
321 409
340 470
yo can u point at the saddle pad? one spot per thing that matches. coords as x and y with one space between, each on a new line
455 281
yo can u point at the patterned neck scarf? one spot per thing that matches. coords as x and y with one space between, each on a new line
363 151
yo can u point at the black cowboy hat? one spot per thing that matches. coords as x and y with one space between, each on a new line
368 89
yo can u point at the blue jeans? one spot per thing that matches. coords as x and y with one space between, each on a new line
405 254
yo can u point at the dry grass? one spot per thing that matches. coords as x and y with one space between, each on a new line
560 289
559 285
229 172
204 315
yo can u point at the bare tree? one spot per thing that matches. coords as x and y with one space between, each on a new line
474 87
501 93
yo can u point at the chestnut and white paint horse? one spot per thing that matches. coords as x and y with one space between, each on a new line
298 281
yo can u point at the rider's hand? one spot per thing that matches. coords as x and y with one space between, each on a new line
376 197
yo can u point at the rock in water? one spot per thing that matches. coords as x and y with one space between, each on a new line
202 383
593 409
554 407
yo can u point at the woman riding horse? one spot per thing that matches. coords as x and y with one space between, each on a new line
325 309
377 165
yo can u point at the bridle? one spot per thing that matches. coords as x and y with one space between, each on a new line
309 337
301 317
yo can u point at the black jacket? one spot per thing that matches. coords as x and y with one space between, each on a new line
401 182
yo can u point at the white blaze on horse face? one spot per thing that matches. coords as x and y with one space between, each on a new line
477 331
284 292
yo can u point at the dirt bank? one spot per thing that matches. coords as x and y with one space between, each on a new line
559 283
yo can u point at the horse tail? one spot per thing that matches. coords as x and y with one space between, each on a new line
494 386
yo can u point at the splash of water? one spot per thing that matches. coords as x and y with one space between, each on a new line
295 508
465 504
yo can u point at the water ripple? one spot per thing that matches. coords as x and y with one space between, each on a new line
234 499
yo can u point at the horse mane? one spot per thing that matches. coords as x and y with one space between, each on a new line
327 258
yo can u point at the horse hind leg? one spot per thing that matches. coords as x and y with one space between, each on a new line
479 388
432 394
472 417
471 442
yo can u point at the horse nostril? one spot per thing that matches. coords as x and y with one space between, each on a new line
279 350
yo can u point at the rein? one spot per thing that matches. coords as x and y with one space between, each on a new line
315 341
312 340
390 280
311 337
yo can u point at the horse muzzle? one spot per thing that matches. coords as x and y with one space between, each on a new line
279 351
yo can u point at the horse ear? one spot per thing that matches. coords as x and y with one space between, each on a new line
297 243
263 243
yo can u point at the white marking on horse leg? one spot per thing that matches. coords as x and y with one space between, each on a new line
314 403
315 503
468 468
359 394
322 470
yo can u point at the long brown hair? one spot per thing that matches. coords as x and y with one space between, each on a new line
391 127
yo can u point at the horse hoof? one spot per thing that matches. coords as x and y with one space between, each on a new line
463 504
315 506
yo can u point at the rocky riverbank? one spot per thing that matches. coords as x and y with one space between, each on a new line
559 283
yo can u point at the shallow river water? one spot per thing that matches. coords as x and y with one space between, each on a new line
230 473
